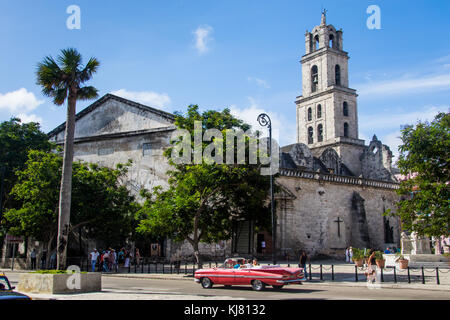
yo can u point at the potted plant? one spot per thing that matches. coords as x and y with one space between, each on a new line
379 259
358 257
402 261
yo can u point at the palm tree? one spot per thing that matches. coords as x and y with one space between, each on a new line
62 80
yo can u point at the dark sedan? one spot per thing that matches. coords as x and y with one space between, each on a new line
6 290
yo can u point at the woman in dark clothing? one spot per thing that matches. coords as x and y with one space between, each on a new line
302 264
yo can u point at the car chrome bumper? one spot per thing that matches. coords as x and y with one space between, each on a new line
197 280
291 281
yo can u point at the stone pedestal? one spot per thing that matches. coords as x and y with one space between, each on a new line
60 283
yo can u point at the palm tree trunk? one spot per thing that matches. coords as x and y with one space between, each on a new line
66 183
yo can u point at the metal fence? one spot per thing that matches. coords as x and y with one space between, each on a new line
333 273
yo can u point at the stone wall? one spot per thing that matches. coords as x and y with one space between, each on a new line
310 220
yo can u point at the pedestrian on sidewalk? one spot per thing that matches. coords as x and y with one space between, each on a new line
53 260
371 267
302 262
44 260
347 255
33 259
93 257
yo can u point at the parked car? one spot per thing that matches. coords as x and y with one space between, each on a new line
257 276
6 290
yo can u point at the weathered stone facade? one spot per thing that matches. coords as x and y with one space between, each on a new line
338 187
334 188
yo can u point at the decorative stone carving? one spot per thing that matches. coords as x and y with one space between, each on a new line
302 156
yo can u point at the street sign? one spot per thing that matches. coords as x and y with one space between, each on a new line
13 239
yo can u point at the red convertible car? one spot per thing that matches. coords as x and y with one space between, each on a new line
256 276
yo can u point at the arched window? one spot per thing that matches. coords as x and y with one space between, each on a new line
310 135
337 73
319 111
316 43
345 109
314 78
309 114
346 130
331 41
319 133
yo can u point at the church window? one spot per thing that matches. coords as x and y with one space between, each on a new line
345 109
346 130
319 111
337 72
314 78
310 135
319 133
309 114
331 41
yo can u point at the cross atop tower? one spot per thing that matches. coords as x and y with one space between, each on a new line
323 21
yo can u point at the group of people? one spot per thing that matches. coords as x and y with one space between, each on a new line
249 263
394 250
110 259
43 260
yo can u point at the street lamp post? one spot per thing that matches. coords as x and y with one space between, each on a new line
264 121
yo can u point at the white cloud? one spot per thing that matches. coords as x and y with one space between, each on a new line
26 118
203 38
395 120
19 101
407 85
391 124
259 82
153 99
282 130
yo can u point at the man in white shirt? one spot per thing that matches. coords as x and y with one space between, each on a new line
94 256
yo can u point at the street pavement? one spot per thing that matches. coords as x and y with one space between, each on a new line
130 286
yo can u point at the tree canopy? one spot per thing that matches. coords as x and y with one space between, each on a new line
16 140
203 200
100 203
424 163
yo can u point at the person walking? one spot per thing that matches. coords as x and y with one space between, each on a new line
93 257
347 255
138 257
302 262
44 260
53 260
371 268
350 254
33 259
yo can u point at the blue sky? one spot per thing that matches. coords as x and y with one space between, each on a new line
238 54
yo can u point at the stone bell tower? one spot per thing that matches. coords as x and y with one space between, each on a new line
327 113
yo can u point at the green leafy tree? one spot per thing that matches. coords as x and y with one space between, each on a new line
424 161
63 82
100 203
16 139
203 200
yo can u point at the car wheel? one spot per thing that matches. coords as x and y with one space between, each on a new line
258 285
206 283
278 287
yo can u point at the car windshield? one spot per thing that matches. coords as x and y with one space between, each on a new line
4 285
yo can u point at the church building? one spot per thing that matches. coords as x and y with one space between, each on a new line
333 188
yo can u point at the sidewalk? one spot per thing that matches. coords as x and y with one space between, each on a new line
344 275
